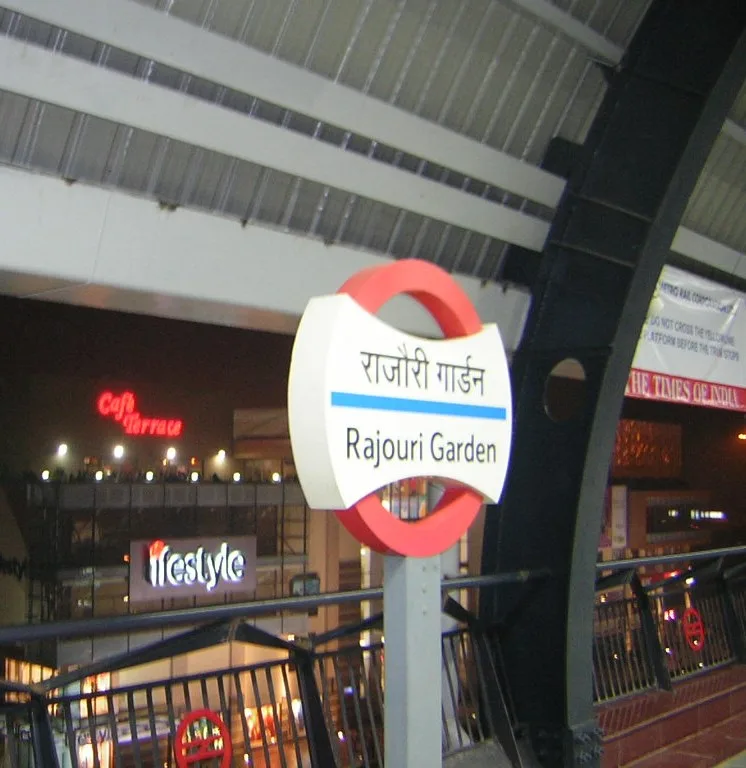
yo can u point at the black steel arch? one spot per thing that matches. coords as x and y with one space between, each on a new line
628 186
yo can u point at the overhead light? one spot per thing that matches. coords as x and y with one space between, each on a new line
276 477
221 456
62 449
45 474
118 451
236 477
742 435
149 476
171 453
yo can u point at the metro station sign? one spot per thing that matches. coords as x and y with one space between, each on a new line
122 408
369 406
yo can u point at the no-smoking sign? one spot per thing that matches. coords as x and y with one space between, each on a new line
202 737
694 629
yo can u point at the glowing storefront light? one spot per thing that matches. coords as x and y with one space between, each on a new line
261 720
122 408
195 567
168 567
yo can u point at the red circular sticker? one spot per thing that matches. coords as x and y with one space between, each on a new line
694 629
196 741
368 520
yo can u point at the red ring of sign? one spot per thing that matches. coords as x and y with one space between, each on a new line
694 629
368 520
182 747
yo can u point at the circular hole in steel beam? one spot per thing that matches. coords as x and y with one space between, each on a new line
564 391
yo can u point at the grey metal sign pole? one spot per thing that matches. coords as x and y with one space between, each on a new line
412 627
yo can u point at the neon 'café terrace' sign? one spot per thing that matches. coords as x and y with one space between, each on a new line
122 408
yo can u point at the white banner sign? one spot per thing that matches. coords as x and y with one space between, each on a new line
693 345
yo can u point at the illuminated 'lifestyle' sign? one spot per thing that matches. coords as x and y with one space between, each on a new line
123 409
192 567
369 405
169 567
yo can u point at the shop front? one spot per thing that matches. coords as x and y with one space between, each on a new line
676 480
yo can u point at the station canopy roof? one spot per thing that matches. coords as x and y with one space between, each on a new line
398 127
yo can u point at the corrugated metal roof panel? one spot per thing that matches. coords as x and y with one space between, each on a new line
479 67
717 207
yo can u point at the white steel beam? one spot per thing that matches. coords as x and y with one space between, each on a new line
549 14
106 249
154 35
710 252
732 129
57 79
595 44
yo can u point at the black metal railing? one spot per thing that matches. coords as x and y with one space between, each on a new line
650 633
317 706
310 708
136 725
270 711
622 656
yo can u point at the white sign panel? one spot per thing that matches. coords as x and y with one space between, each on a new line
693 345
102 733
619 516
165 568
369 405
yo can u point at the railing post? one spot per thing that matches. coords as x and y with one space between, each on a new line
652 640
45 752
500 721
319 740
733 627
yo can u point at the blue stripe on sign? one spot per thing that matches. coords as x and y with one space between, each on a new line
406 405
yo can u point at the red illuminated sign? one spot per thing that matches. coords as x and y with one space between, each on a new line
123 409
694 629
201 737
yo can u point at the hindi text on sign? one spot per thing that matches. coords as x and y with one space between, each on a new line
402 369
